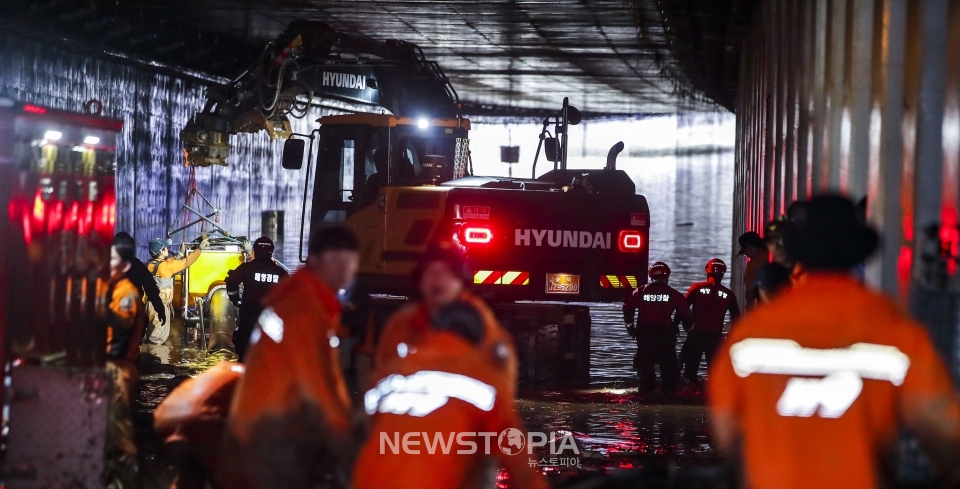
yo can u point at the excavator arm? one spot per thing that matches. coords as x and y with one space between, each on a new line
312 60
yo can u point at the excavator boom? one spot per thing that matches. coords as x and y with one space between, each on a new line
310 59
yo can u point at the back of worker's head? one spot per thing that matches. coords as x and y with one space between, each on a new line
715 269
659 272
334 255
829 236
439 276
461 319
263 247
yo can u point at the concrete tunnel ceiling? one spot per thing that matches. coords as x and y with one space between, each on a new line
510 58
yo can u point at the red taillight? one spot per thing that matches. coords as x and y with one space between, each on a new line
476 234
630 241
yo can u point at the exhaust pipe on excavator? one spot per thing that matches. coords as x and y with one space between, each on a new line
612 156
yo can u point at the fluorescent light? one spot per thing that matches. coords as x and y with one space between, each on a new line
91 140
422 123
53 135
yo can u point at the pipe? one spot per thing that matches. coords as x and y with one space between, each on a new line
612 156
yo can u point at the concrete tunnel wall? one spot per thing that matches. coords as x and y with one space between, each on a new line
152 181
860 97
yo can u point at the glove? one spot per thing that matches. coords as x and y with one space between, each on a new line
205 244
631 329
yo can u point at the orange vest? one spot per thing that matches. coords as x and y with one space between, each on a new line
444 362
293 357
820 381
409 324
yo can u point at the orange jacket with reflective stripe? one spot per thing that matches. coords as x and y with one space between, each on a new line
410 323
293 358
821 380
126 321
444 362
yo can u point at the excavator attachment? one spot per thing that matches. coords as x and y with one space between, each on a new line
310 60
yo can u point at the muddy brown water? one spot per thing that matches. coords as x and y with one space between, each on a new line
615 427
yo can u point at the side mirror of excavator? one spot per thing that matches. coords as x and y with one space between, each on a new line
293 154
551 148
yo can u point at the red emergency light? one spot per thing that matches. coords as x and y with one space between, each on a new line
34 109
473 234
630 241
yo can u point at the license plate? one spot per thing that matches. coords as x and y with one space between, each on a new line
563 283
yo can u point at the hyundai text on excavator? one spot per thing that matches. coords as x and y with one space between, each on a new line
403 181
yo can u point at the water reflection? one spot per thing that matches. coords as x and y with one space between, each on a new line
617 428
691 200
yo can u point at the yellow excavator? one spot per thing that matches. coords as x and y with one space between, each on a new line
401 177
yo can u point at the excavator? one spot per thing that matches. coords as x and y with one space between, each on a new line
400 175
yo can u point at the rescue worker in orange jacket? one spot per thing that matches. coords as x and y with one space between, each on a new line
290 424
440 282
659 309
163 267
447 392
125 324
191 422
710 302
814 388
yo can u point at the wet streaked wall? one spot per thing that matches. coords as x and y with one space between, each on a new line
861 97
152 181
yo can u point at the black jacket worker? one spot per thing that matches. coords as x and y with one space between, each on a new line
257 278
660 309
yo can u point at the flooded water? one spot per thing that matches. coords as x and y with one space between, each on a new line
614 426
691 201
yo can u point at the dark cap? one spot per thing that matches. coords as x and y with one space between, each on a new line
263 246
830 236
750 239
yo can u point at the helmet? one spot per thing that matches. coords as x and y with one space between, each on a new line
157 245
659 270
716 266
263 247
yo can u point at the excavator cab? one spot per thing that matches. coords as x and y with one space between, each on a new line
360 155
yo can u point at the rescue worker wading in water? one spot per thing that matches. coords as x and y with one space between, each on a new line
814 388
257 277
290 423
440 282
164 267
448 386
659 309
125 323
710 302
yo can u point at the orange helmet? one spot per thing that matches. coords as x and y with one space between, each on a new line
716 266
659 269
